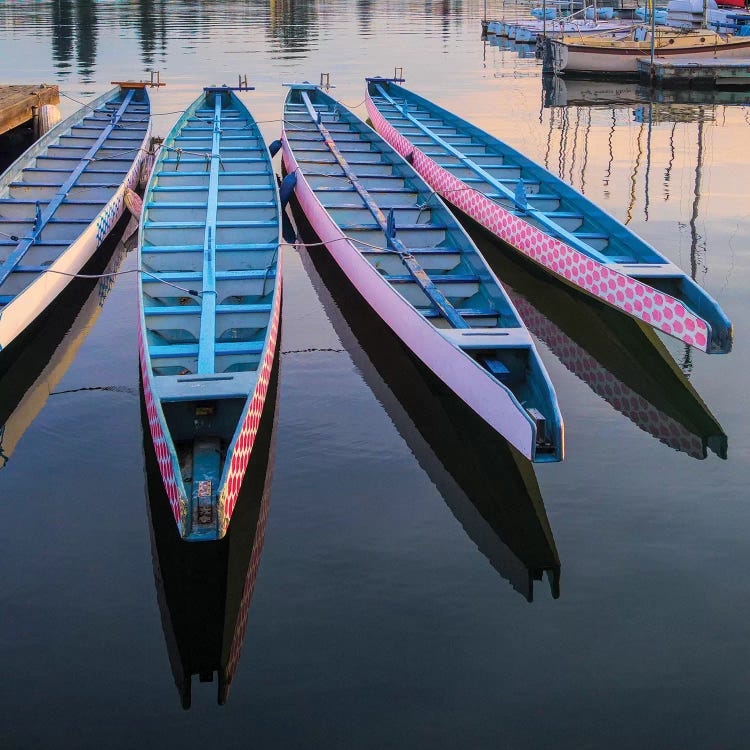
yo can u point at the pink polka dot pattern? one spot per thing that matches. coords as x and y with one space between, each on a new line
240 625
239 453
617 289
167 461
629 403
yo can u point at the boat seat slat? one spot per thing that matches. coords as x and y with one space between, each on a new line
179 276
198 224
465 312
194 309
241 247
447 279
171 351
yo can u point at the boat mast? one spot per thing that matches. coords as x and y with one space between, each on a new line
653 38
705 14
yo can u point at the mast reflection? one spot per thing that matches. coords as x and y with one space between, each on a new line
634 102
292 28
86 37
490 488
62 35
204 589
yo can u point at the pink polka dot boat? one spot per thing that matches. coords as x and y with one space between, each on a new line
545 219
210 299
413 263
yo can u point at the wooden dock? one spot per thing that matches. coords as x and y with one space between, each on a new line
16 103
717 72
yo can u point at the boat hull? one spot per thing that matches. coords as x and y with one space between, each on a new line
583 59
451 365
571 266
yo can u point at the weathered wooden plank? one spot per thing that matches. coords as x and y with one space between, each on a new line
713 72
16 102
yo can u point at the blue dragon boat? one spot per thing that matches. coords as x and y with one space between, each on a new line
545 219
210 300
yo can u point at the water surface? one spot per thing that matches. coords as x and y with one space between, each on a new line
391 604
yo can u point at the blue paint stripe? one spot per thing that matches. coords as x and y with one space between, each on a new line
207 346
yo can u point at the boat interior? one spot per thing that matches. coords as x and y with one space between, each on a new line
59 186
209 251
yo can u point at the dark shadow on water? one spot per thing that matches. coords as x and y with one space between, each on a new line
490 488
36 361
204 589
622 361
14 143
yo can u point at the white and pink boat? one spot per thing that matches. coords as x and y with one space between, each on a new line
62 197
544 219
416 267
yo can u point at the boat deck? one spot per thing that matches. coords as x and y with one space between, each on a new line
210 224
210 297
48 199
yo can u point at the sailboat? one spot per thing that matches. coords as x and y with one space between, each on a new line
617 54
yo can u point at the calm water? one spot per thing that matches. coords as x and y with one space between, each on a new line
391 606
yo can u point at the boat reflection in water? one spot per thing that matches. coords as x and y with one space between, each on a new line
33 365
204 589
524 50
622 361
490 487
576 92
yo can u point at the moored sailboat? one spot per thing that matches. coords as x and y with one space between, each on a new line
617 54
